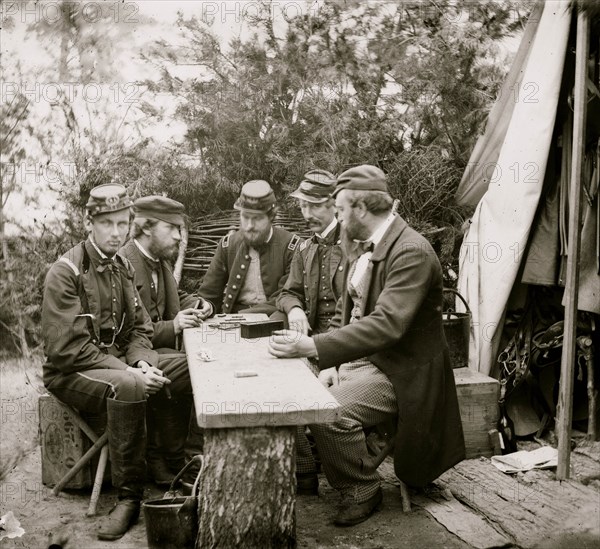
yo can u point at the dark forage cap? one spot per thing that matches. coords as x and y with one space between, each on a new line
107 198
257 196
316 187
161 208
362 178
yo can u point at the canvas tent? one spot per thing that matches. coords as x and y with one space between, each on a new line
507 174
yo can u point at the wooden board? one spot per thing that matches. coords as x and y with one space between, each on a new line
478 402
273 392
528 507
450 513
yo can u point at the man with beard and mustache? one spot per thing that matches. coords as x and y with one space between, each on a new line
154 244
251 265
389 351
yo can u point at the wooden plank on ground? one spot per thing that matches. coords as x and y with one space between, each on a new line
450 513
527 507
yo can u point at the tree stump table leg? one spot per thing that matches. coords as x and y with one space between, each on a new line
247 495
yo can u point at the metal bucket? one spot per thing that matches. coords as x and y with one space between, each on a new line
457 328
172 522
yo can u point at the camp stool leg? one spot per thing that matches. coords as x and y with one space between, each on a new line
99 445
98 481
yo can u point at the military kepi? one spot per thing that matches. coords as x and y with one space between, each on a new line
316 187
161 208
107 198
362 178
257 196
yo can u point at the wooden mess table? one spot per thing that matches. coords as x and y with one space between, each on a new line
249 404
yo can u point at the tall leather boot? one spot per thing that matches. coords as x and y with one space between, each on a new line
172 417
158 471
127 448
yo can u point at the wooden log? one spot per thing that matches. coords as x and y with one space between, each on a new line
247 488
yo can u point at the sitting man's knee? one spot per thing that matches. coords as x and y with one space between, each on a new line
128 387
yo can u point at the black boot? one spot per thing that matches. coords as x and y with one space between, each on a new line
158 471
127 448
172 417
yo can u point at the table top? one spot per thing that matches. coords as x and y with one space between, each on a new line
242 385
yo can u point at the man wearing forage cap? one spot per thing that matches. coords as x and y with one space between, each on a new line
316 275
390 354
154 244
313 287
250 265
97 339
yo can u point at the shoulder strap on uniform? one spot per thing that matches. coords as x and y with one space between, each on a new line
225 241
294 242
70 264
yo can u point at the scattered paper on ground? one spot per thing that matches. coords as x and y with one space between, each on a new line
542 458
10 527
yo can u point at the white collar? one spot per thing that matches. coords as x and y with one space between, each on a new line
381 230
270 236
100 252
329 228
143 250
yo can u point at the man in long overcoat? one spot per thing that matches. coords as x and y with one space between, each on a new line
390 352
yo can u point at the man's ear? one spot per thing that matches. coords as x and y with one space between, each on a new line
361 208
87 223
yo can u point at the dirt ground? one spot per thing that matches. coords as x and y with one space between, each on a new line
45 517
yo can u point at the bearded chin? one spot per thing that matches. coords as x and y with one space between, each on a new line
349 247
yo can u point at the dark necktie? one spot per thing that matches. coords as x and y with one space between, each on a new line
104 264
364 247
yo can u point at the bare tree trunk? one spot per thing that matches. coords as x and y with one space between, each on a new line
247 489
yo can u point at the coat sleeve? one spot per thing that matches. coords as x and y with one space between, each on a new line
67 340
141 335
405 287
292 294
186 301
215 279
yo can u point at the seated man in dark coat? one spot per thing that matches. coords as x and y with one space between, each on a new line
317 274
154 245
313 287
97 338
389 350
250 265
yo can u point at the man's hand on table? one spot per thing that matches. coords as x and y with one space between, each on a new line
297 320
151 377
291 344
188 318
204 309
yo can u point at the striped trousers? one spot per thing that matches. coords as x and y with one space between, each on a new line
367 398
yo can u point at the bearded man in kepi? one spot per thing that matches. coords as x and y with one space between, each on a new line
251 265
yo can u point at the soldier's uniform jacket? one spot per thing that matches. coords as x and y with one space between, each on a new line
162 303
84 298
306 288
401 332
227 272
